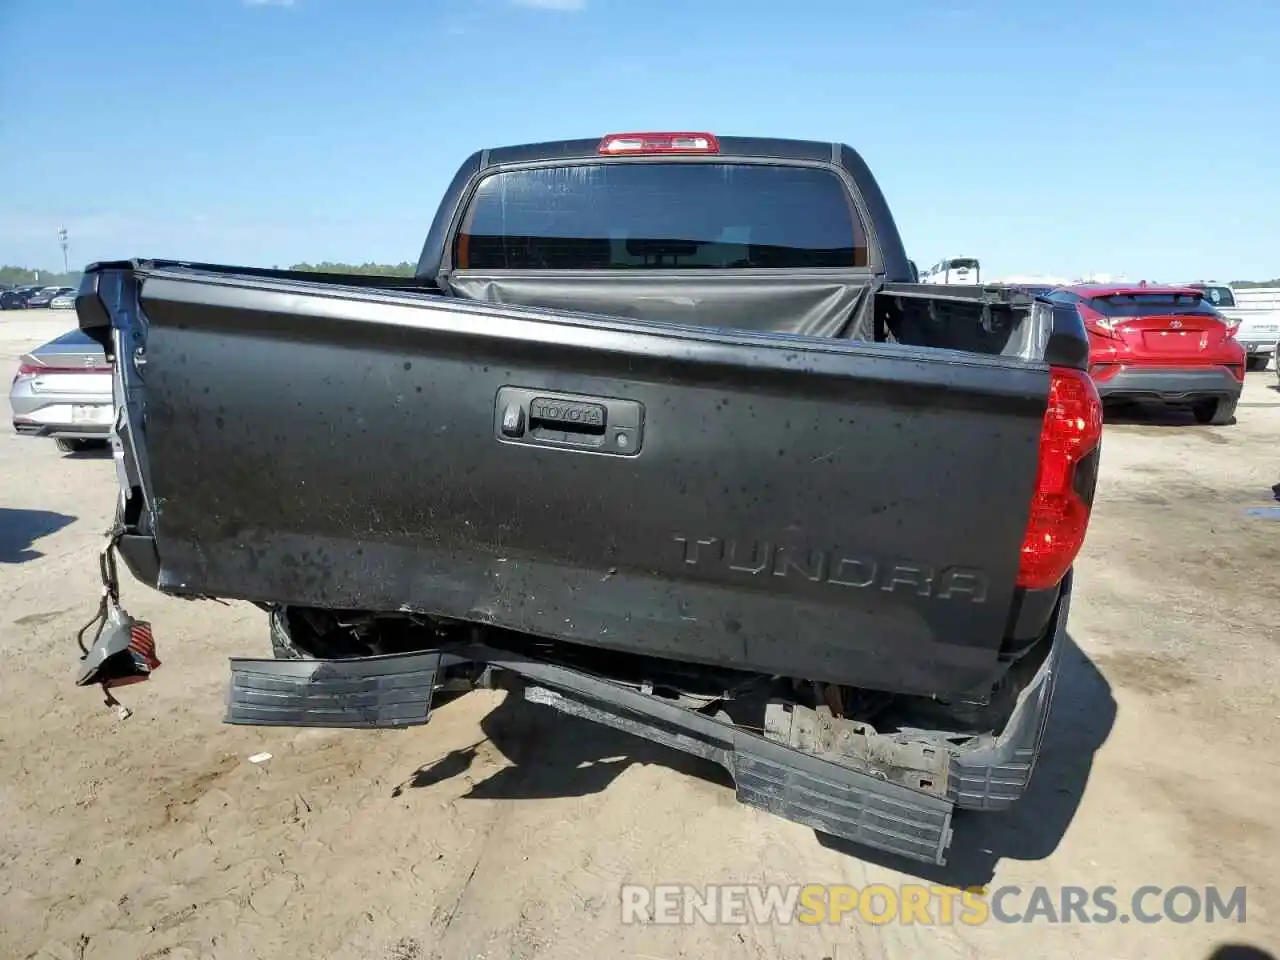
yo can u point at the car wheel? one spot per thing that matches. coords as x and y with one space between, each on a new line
70 446
1215 413
1256 361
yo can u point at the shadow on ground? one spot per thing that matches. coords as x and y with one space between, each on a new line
1240 951
20 529
91 450
554 755
1157 416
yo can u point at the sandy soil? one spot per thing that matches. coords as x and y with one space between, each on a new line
502 830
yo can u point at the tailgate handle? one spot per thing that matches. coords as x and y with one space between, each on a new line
569 421
570 416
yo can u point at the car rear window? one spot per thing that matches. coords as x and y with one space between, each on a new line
1220 296
661 216
1151 304
963 264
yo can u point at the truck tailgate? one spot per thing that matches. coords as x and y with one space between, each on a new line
837 511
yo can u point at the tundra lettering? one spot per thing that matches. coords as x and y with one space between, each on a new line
834 567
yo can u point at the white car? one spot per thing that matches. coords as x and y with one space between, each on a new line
964 271
1256 310
64 301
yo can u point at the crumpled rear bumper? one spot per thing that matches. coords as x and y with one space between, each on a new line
860 805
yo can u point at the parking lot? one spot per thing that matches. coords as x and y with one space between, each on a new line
503 830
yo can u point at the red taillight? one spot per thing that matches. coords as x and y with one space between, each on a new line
639 143
1098 324
1233 327
1072 429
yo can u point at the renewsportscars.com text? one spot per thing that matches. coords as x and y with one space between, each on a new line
814 904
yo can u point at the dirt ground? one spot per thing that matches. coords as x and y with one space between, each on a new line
503 830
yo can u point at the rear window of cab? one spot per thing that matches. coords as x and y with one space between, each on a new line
662 216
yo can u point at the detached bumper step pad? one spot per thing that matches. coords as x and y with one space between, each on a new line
388 691
857 808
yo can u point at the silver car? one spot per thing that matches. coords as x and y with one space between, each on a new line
1256 311
63 301
63 390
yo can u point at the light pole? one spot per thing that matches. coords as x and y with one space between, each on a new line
62 241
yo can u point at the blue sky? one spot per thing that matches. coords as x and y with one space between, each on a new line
1132 137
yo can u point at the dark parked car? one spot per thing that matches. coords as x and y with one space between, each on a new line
16 299
663 434
44 298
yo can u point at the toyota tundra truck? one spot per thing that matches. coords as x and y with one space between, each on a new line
662 434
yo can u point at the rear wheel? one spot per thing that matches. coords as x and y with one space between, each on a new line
1256 361
1215 413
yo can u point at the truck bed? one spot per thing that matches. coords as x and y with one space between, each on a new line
841 511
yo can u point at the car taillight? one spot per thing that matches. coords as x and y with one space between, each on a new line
1233 327
642 143
36 369
1095 322
1071 430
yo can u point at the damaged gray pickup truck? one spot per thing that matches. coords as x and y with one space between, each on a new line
662 434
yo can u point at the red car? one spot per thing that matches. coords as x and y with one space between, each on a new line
1160 343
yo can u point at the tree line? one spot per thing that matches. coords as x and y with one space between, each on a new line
402 269
22 277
